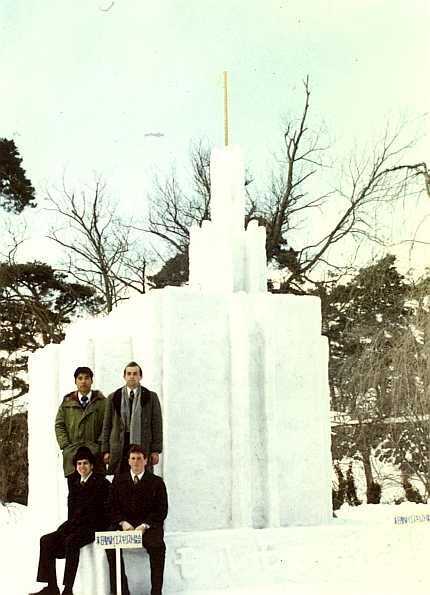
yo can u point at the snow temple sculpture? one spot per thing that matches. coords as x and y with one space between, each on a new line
242 377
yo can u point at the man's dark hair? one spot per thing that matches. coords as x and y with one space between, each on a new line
137 448
133 365
83 370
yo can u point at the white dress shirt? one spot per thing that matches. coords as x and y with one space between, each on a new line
87 395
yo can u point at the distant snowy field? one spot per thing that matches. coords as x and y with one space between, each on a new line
362 552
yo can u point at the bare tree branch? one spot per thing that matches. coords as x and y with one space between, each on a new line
100 249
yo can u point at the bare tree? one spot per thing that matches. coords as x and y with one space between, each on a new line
378 178
173 211
289 208
101 250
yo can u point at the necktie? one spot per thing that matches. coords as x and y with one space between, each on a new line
131 400
136 479
84 401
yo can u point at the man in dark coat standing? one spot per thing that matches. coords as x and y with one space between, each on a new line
87 513
132 416
138 501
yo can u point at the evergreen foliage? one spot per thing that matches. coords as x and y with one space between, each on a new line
363 319
16 190
173 272
378 327
35 303
407 442
13 458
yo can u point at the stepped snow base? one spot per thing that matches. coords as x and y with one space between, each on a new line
205 561
332 559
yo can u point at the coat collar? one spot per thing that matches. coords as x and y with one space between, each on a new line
145 395
73 399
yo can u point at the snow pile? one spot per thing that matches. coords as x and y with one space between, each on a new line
363 551
384 514
11 515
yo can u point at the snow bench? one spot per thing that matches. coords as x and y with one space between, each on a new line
92 577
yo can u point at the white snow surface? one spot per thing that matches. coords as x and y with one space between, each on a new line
362 551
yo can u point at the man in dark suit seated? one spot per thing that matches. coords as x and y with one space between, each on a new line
138 501
87 513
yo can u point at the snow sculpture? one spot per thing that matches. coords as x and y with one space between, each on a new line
242 376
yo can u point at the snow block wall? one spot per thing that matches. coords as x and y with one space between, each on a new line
241 375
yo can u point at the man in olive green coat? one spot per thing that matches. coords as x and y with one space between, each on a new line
79 421
133 416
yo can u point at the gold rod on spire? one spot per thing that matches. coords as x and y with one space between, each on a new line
225 109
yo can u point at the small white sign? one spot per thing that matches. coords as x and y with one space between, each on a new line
118 539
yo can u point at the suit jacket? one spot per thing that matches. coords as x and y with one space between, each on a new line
87 506
113 426
145 502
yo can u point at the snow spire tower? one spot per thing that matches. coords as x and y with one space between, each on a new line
223 256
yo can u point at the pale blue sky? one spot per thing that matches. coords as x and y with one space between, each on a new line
80 87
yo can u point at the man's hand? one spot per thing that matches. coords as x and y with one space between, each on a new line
143 527
125 526
106 458
154 457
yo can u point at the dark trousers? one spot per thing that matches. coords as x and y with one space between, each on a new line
154 544
60 544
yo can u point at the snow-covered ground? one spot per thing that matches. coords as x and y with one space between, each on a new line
367 550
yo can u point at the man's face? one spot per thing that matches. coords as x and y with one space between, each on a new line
83 383
132 376
84 467
137 462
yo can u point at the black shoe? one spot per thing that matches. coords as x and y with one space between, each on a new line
47 591
67 591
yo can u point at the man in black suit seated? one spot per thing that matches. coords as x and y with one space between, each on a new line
138 501
87 513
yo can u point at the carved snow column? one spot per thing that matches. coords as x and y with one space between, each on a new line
43 453
224 258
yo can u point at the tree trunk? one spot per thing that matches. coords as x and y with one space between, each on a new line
366 454
367 470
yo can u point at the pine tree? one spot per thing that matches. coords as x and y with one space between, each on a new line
16 190
36 302
363 320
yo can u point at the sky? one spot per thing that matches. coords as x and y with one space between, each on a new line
85 84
